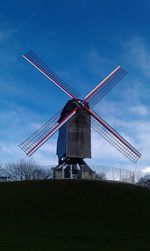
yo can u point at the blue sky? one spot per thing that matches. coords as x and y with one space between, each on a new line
82 41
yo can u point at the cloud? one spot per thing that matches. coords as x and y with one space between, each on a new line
12 153
146 170
97 61
141 172
140 110
46 155
17 123
7 31
6 35
101 149
138 54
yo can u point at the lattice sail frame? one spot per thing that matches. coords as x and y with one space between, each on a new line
128 151
40 65
38 138
105 86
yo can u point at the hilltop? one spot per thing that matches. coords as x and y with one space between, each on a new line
74 215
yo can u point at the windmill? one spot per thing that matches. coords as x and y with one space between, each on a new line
75 121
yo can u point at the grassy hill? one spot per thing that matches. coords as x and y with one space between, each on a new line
74 215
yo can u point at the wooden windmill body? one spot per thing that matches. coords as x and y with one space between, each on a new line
74 138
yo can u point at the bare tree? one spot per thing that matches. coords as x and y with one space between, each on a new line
42 174
101 176
144 181
26 170
1 170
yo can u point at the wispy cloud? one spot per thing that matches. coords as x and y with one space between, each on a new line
140 110
6 35
97 62
10 152
18 123
138 54
146 170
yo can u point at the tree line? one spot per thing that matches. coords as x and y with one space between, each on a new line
24 170
30 170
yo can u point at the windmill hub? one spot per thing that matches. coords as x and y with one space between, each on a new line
74 124
80 102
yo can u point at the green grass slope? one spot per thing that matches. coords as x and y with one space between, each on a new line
74 215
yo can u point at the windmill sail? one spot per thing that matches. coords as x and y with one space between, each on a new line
113 137
116 140
38 138
105 86
40 65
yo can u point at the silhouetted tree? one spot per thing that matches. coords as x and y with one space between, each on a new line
144 181
1 170
26 170
101 176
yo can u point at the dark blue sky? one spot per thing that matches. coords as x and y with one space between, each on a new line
82 41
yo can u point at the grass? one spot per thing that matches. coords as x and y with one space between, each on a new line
74 215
